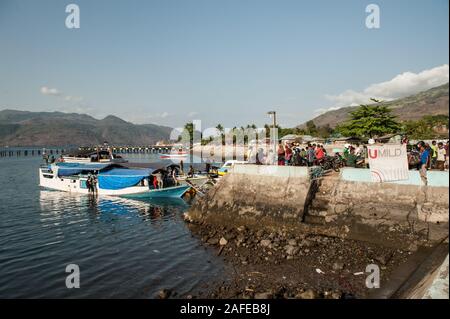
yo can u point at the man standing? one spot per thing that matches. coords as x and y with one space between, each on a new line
440 162
424 154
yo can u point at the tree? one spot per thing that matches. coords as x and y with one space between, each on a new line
311 128
370 121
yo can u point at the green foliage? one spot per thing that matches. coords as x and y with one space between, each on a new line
425 127
370 121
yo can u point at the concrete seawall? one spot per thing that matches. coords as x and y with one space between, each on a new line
253 193
285 196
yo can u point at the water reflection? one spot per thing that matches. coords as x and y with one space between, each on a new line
54 203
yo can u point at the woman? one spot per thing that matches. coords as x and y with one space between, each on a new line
280 153
287 154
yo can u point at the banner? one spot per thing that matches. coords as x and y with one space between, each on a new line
388 162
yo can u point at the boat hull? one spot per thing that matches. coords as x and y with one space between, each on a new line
77 185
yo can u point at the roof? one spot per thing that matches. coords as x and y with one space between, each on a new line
290 137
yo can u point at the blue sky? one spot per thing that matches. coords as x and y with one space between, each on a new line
228 62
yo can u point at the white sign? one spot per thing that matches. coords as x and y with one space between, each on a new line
388 162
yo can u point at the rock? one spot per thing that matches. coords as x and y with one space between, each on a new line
164 293
223 241
265 242
338 266
291 250
263 295
308 294
292 242
241 229
213 241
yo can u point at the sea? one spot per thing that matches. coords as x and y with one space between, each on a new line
116 247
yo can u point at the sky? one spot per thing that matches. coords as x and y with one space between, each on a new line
172 61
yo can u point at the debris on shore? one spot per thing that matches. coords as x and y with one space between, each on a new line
278 264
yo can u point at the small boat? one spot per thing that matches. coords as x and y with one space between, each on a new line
112 179
98 156
180 154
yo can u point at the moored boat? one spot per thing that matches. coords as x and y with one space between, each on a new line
111 179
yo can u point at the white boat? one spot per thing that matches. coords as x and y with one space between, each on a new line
86 157
112 179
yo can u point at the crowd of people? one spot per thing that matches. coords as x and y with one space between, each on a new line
434 155
309 155
431 156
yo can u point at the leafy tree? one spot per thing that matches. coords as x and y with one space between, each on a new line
311 128
370 121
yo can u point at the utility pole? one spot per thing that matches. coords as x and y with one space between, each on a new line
274 118
274 132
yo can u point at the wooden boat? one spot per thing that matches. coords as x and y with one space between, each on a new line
112 179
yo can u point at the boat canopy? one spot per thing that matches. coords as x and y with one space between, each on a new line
68 169
118 178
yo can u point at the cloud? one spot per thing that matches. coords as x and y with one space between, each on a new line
402 85
45 90
192 114
50 91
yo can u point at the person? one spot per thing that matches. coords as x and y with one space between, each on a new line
287 154
158 180
424 160
319 153
181 167
358 150
351 159
89 183
191 171
174 176
430 152
94 184
440 160
260 156
280 153
45 156
434 154
311 156
346 150
446 165
270 158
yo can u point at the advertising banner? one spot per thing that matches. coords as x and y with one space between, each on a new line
388 162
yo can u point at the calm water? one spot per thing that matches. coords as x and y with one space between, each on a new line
124 248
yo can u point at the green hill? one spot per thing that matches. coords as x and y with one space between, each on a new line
22 128
431 102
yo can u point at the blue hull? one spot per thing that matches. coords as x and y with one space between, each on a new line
171 192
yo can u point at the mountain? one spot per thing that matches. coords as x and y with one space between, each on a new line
22 128
431 102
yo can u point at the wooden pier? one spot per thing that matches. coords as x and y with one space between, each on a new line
57 151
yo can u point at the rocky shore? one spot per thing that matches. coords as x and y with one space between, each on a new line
279 264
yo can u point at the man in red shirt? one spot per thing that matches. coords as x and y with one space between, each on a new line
319 153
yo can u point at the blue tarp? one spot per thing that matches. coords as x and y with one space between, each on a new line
118 178
67 169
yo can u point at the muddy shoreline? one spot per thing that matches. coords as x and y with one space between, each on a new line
277 264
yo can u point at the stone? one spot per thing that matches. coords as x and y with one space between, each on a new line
223 241
213 241
265 242
263 295
292 242
291 250
308 294
164 293
338 266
